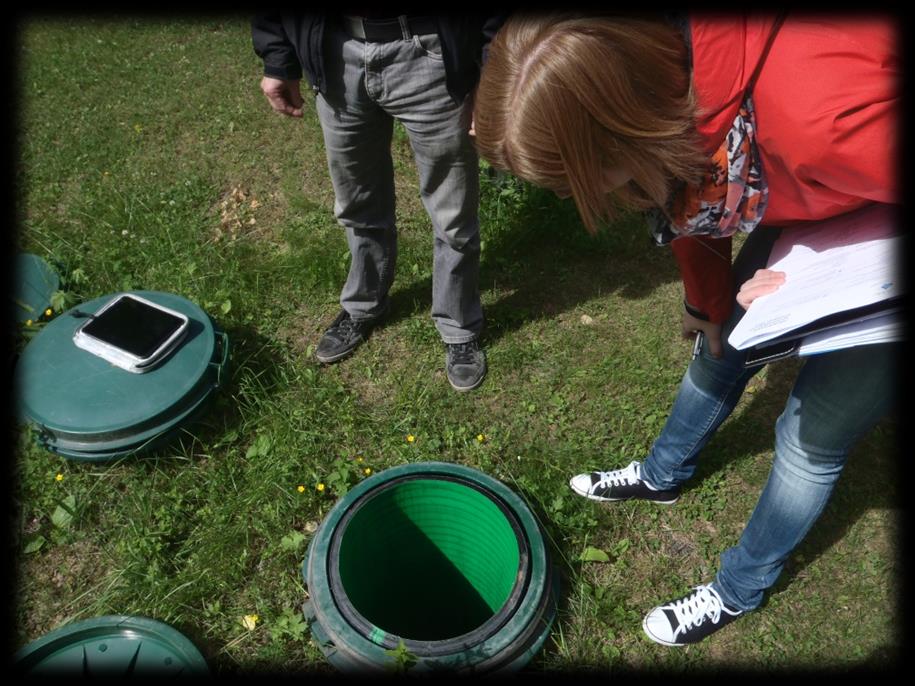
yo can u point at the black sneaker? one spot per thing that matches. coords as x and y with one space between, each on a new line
465 364
621 484
343 337
689 619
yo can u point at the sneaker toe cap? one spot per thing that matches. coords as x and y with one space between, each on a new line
328 346
658 628
581 483
467 376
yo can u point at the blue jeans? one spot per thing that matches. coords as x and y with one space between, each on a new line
837 398
369 85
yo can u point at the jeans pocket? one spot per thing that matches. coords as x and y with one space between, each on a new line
429 45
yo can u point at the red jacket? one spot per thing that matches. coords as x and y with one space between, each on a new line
827 103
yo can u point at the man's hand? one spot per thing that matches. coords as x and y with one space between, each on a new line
284 96
764 281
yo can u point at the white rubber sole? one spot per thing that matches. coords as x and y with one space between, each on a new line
600 499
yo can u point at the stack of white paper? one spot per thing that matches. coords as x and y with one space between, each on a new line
883 329
832 266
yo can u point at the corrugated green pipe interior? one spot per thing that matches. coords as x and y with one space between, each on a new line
440 557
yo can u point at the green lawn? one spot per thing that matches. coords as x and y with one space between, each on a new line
148 158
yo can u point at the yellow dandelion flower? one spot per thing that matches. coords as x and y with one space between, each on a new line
300 489
48 312
59 477
28 322
320 488
367 471
481 438
250 621
410 438
358 458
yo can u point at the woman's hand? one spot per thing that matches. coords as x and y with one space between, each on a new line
764 281
711 331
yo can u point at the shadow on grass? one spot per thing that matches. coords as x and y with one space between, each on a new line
253 357
540 261
753 430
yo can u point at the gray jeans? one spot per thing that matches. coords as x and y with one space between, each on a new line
368 86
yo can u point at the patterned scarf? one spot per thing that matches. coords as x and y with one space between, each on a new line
732 195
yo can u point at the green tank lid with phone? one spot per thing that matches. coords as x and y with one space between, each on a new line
85 408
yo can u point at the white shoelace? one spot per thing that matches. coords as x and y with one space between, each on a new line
620 477
694 609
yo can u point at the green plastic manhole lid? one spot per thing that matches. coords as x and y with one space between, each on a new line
83 402
33 285
116 645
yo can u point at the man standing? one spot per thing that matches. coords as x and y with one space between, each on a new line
366 72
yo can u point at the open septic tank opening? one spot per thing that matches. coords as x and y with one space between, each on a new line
436 558
444 562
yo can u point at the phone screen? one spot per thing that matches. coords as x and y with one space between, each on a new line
134 326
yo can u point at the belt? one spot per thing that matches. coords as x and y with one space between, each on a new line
387 30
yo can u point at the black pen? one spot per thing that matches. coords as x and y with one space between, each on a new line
697 346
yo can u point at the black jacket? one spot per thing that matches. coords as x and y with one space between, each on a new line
290 44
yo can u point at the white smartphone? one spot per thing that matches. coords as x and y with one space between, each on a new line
132 332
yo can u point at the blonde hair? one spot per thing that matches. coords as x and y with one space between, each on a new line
562 99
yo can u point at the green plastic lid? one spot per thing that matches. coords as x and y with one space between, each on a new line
34 284
81 402
143 441
116 645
